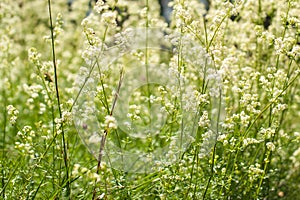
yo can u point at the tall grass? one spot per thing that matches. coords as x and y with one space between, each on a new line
115 103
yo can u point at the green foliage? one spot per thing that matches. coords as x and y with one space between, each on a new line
234 69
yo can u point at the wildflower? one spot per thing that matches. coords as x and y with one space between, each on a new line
245 119
204 120
58 125
255 169
75 170
59 22
67 117
13 114
110 122
267 133
270 146
33 56
249 141
134 112
221 138
109 18
143 12
99 7
85 23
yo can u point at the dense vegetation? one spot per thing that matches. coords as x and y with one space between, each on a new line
113 101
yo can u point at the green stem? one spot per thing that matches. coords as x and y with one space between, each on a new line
215 147
146 59
3 142
65 154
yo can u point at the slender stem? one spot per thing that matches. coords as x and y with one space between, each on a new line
3 142
215 146
103 139
65 154
105 102
106 131
146 59
180 83
206 35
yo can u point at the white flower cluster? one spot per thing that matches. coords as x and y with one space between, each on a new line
100 6
58 125
57 30
271 146
204 121
25 145
134 112
34 56
255 171
267 133
12 113
282 46
109 18
182 15
110 122
249 141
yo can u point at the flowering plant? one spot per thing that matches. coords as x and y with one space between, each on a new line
114 101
